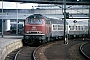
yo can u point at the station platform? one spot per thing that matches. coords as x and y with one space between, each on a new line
61 51
8 43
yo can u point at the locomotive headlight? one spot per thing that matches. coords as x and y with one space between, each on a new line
33 27
40 32
27 32
26 37
43 37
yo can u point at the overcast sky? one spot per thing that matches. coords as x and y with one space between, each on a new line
14 5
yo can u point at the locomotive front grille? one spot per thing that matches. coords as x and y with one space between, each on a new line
34 32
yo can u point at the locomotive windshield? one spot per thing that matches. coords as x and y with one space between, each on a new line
30 21
36 21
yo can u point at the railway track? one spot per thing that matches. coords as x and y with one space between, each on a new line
24 53
34 53
84 48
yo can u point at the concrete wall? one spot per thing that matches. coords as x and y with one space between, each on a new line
9 48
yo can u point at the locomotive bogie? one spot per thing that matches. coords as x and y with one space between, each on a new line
33 39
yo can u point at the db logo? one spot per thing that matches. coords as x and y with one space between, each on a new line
34 28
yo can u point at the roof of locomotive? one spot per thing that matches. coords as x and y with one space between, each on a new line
53 21
36 16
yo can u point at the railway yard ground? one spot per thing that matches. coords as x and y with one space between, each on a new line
60 51
56 50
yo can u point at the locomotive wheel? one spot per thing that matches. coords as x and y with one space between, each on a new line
47 39
24 44
43 42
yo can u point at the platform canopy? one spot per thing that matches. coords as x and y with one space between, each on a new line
68 2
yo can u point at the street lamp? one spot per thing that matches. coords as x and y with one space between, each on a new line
17 20
2 32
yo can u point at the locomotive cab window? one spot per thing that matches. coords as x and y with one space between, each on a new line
38 21
30 21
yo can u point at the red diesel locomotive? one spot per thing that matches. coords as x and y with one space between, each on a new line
37 29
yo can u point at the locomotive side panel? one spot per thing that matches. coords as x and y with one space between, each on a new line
48 32
48 29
